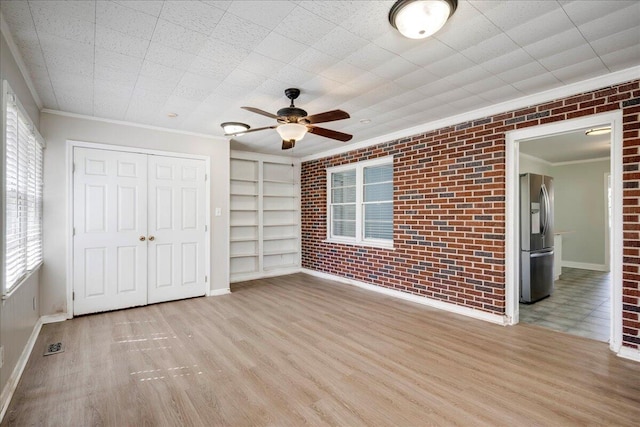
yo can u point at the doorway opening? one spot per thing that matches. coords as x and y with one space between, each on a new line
578 290
607 221
586 297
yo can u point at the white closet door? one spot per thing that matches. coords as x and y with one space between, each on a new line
110 217
177 218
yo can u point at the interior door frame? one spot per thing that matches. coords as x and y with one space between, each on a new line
70 145
512 173
607 230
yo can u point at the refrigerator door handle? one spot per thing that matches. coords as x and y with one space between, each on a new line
547 209
543 211
547 206
541 254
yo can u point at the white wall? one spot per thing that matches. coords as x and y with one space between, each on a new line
530 164
19 312
580 208
57 129
9 71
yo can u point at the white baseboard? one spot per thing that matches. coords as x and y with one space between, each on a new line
12 384
53 318
10 387
446 306
629 353
584 266
218 292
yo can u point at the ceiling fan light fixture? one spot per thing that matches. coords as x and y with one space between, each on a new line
234 127
598 131
419 19
291 131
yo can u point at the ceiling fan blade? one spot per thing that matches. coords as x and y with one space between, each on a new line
259 111
242 132
328 116
328 133
288 144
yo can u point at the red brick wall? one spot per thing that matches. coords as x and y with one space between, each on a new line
630 212
449 208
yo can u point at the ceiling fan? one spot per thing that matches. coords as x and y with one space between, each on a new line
294 123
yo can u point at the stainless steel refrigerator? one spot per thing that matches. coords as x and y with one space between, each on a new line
536 237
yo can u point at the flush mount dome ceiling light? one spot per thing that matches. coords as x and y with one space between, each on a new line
234 127
598 131
418 19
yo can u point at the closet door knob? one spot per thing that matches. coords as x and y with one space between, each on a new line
142 238
151 238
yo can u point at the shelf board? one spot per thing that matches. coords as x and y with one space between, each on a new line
279 181
244 275
283 252
280 238
239 276
244 225
243 255
244 239
280 210
244 210
275 267
245 194
289 224
280 196
244 180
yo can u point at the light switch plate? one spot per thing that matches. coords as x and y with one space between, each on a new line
218 212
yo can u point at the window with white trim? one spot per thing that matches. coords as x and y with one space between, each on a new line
23 193
360 203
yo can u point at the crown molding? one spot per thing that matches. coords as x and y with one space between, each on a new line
133 124
594 83
569 162
13 48
577 162
535 159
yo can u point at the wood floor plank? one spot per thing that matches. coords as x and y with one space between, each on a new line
298 350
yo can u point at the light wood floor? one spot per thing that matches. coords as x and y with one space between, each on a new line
299 350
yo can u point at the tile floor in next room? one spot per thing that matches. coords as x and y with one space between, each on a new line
579 305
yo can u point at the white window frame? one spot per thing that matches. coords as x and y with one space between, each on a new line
359 239
9 96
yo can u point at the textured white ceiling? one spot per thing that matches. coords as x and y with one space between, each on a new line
568 147
139 60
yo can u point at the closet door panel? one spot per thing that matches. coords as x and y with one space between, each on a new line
110 217
177 219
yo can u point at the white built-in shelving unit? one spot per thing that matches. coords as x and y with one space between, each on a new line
265 216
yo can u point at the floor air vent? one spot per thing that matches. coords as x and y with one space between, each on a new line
54 348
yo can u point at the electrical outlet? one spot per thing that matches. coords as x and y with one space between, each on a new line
1 356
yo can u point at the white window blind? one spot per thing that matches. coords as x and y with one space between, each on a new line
343 203
360 203
378 202
23 190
